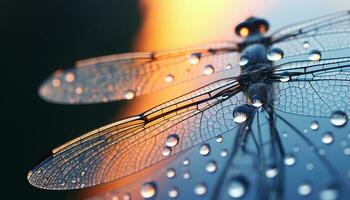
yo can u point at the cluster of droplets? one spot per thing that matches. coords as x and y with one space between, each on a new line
171 141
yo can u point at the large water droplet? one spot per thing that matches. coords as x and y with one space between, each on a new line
169 78
329 194
241 113
275 54
200 189
204 149
304 189
148 190
256 101
327 138
289 160
314 125
339 118
171 173
315 55
211 166
237 187
243 60
173 193
194 58
129 94
172 140
208 69
271 172
166 151
56 82
306 44
285 77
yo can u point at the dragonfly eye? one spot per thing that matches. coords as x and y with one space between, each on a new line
244 32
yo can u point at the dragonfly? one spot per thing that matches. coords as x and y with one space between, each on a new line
280 117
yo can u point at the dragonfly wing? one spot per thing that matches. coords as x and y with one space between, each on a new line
315 88
334 21
131 145
125 76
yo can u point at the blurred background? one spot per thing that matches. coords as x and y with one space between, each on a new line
37 37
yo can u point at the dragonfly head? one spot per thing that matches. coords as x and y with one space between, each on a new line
252 26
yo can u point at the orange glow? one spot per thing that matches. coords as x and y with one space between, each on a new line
173 24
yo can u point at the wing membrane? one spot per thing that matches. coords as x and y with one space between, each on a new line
113 77
315 88
339 20
128 146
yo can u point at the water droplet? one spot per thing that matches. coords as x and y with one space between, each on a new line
171 173
237 187
310 166
169 78
321 152
339 118
306 44
347 151
329 194
148 190
186 175
275 54
211 166
314 125
129 94
228 66
208 69
289 160
74 180
223 153
56 83
204 149
200 189
82 173
186 162
194 58
166 151
285 77
127 196
219 139
173 193
315 55
256 101
304 189
69 77
241 113
172 140
243 60
327 138
271 172
296 148
79 90
284 134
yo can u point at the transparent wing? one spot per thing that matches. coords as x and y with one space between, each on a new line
130 145
315 88
124 76
339 20
325 33
233 171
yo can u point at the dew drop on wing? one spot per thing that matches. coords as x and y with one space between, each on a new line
148 190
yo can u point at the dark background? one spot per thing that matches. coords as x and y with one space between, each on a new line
37 37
